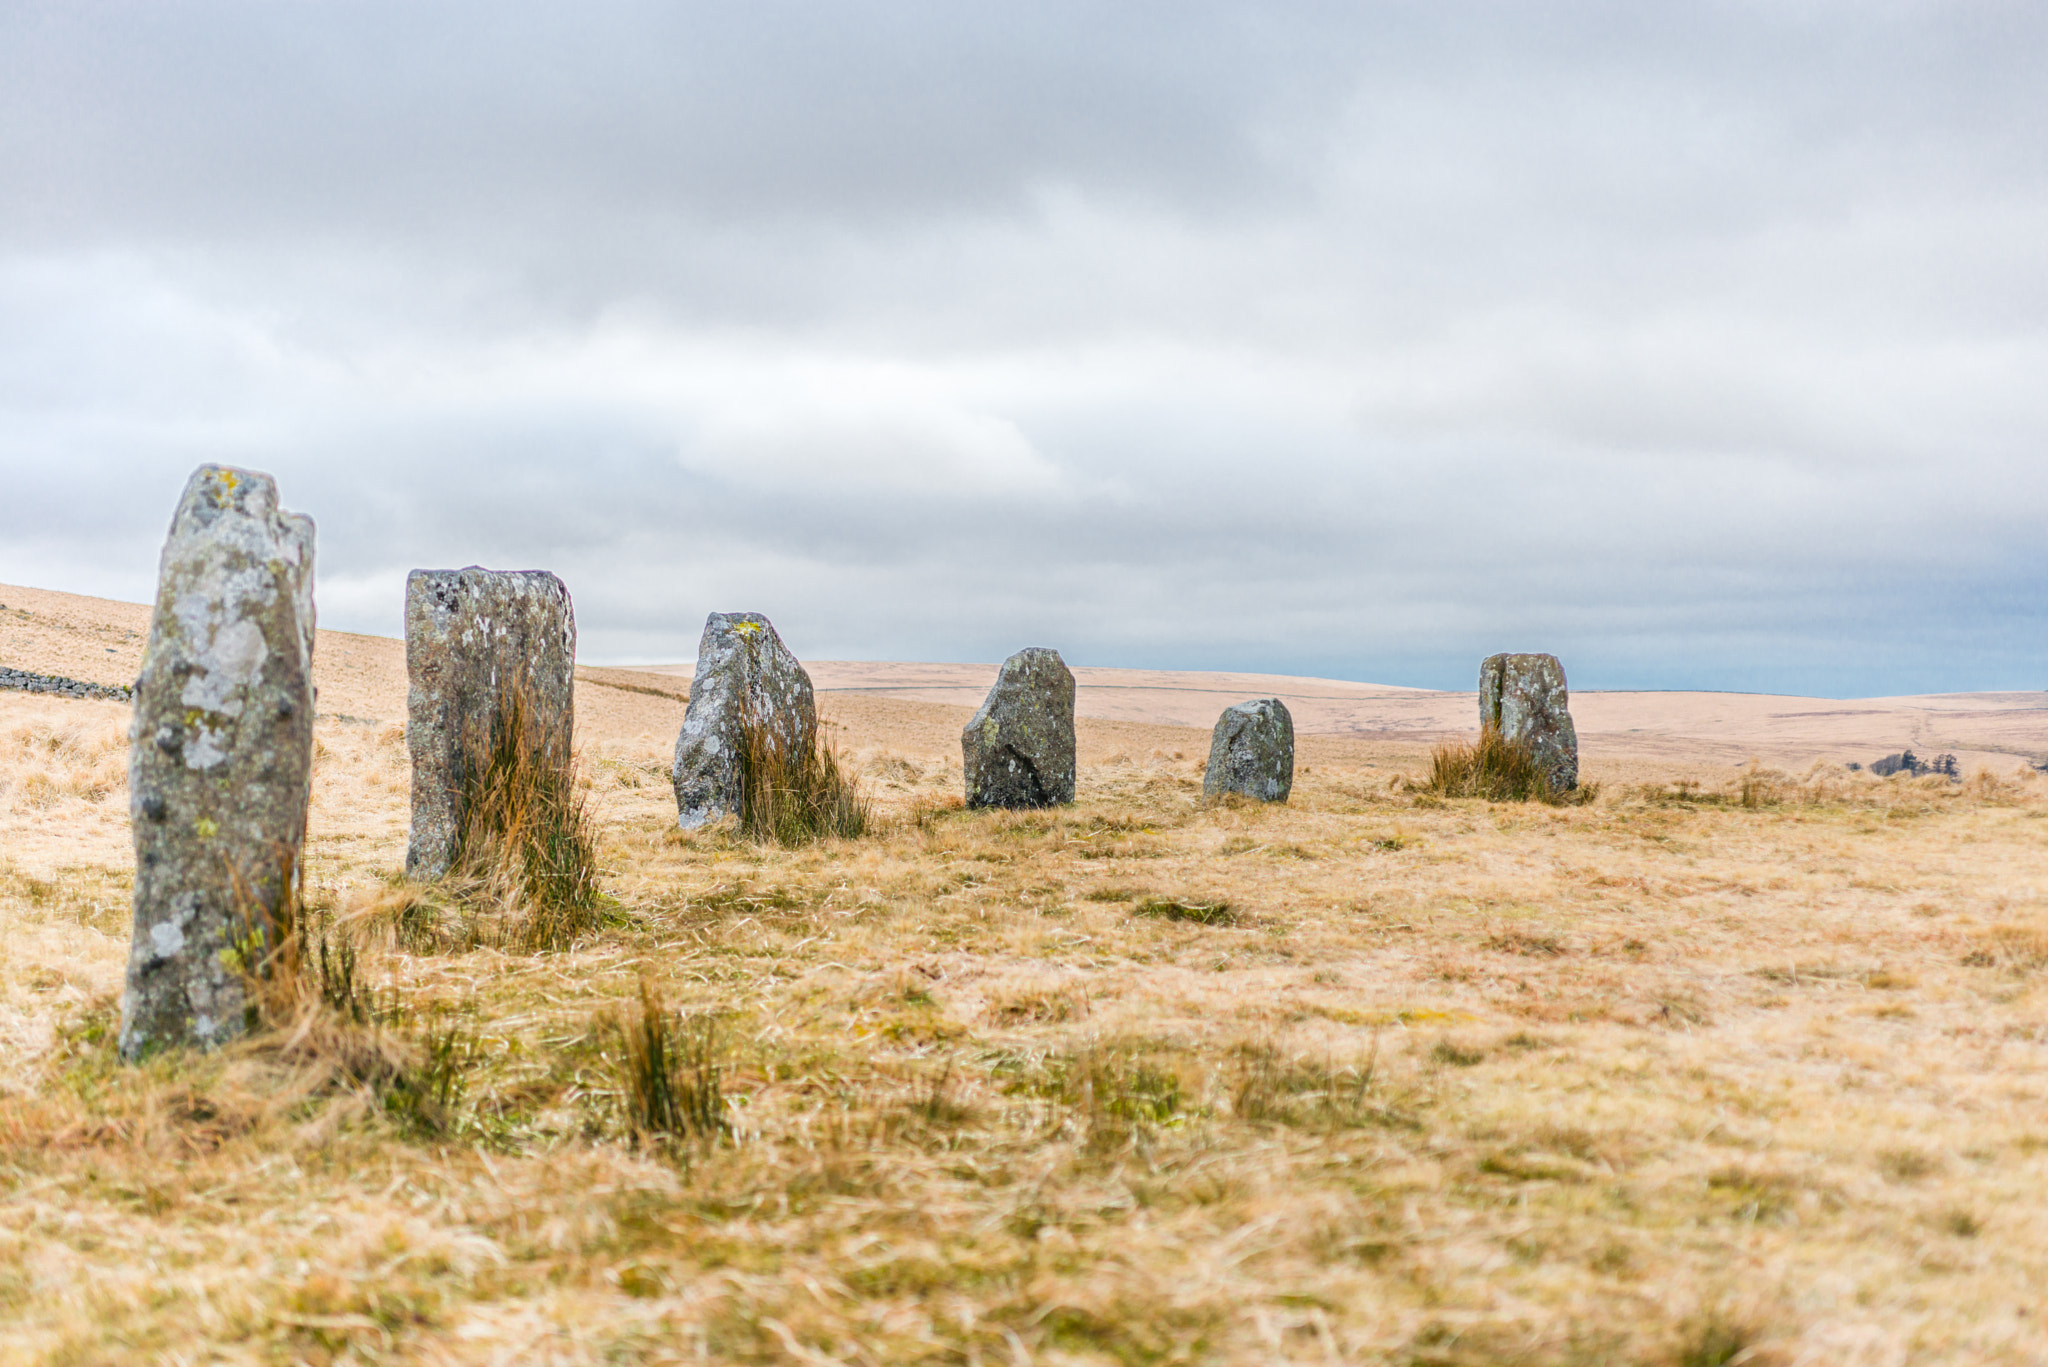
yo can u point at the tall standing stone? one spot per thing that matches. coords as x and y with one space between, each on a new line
1524 698
220 759
1019 749
745 676
1252 752
474 640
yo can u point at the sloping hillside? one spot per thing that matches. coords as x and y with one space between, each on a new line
1723 1065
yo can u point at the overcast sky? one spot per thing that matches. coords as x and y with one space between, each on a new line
1702 345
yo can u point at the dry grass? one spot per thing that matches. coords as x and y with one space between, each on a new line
1665 1078
673 1078
792 794
1496 769
47 762
524 875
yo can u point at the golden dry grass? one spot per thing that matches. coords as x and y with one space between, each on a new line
524 873
1661 1079
794 794
1498 769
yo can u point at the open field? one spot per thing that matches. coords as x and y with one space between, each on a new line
1730 1064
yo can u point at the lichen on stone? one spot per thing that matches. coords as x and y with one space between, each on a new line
220 756
1018 751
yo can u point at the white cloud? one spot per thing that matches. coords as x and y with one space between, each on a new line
1701 344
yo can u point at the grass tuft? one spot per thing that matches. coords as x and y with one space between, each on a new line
527 840
1179 909
1492 767
1269 1088
1758 787
1498 770
794 794
674 1080
425 1096
524 875
312 1007
1721 1340
1123 1094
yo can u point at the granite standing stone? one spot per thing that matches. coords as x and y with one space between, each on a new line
745 675
475 638
1524 698
1019 749
1252 752
220 759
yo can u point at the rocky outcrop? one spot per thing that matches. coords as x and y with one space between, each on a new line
1911 765
746 678
1019 749
1251 752
478 644
1524 698
220 760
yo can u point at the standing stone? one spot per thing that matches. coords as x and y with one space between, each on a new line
1019 749
220 760
474 639
1524 698
1252 752
745 676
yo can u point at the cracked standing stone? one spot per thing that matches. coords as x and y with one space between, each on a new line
474 638
1252 752
1524 697
744 672
1019 749
220 759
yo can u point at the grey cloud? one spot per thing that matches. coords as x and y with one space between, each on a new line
1698 343
231 117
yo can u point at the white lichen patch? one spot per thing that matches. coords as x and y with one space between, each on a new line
220 751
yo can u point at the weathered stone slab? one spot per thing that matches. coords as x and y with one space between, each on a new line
1525 699
220 759
474 638
1251 752
1019 749
745 676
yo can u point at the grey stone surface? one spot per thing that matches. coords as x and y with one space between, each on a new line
220 758
474 637
1524 696
1252 752
1019 749
744 674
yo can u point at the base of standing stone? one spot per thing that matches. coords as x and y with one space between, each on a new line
1525 699
745 677
475 639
